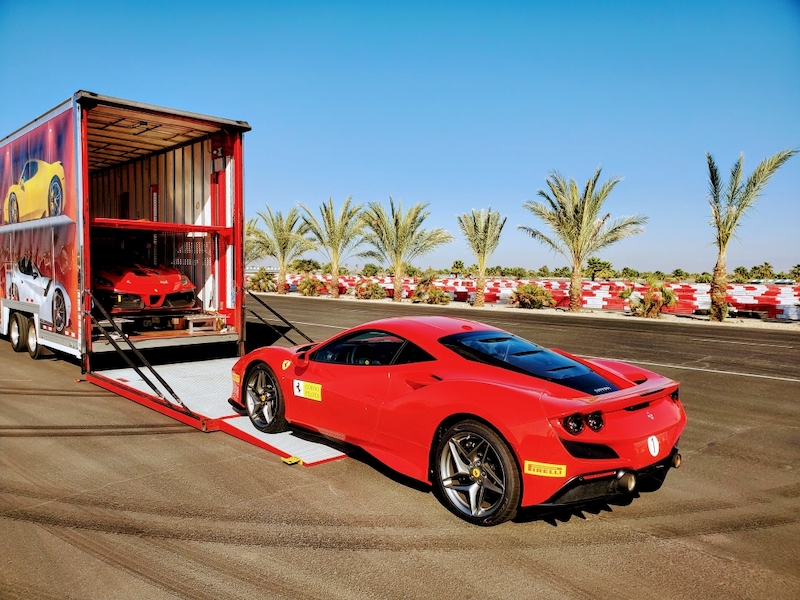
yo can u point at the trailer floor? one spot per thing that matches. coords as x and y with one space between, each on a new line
204 387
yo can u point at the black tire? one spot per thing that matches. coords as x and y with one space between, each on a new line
59 307
475 475
55 197
34 348
18 332
263 399
13 209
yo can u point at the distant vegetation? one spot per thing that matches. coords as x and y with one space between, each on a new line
577 228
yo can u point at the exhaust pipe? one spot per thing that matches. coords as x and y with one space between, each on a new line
676 460
626 481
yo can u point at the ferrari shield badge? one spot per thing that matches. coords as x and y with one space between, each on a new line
286 364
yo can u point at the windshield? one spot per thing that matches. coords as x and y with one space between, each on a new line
508 351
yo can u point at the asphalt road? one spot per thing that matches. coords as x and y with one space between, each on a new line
103 498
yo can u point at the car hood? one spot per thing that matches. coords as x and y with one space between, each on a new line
131 276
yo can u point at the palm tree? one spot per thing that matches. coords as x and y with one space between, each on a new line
482 232
283 240
578 228
256 244
398 238
337 236
728 206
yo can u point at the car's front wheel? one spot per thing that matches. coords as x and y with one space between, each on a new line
55 197
18 331
264 400
475 474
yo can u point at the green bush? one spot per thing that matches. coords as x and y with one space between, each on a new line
649 303
703 278
429 294
262 281
308 286
529 295
369 290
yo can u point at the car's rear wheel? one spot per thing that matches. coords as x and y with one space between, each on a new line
475 474
34 349
264 400
59 311
18 331
13 209
55 197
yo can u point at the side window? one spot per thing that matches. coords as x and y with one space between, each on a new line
368 348
411 353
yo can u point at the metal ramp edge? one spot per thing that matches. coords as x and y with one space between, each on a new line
284 444
204 387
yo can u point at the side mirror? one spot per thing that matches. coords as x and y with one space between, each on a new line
300 359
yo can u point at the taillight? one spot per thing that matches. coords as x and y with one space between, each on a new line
595 421
573 424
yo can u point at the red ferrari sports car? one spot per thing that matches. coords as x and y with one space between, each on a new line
125 282
491 420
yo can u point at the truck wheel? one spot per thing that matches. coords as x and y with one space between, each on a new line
34 349
55 197
18 331
13 209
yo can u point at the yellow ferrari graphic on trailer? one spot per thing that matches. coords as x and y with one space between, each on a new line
39 193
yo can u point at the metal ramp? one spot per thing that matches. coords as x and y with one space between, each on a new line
196 393
204 388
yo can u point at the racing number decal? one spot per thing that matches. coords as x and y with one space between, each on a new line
545 469
306 389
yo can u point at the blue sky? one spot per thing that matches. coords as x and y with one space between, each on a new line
459 104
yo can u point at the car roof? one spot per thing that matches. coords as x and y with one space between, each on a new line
427 328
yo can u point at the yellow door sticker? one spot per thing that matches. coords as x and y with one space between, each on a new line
306 389
545 469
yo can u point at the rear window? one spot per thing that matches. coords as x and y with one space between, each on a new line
508 351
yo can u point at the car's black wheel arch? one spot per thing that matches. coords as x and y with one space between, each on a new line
458 418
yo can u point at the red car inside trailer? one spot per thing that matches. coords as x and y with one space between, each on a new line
492 421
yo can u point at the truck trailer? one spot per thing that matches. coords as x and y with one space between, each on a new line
122 220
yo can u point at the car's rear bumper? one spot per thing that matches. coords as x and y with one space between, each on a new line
606 484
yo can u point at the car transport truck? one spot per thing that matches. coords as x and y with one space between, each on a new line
122 220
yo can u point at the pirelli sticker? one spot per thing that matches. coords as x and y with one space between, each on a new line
306 389
545 469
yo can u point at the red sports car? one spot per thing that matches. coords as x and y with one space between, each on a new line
491 420
125 282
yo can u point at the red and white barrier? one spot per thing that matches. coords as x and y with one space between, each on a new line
775 301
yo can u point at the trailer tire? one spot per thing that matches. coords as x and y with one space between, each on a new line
18 331
34 348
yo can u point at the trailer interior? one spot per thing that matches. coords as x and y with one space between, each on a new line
166 186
